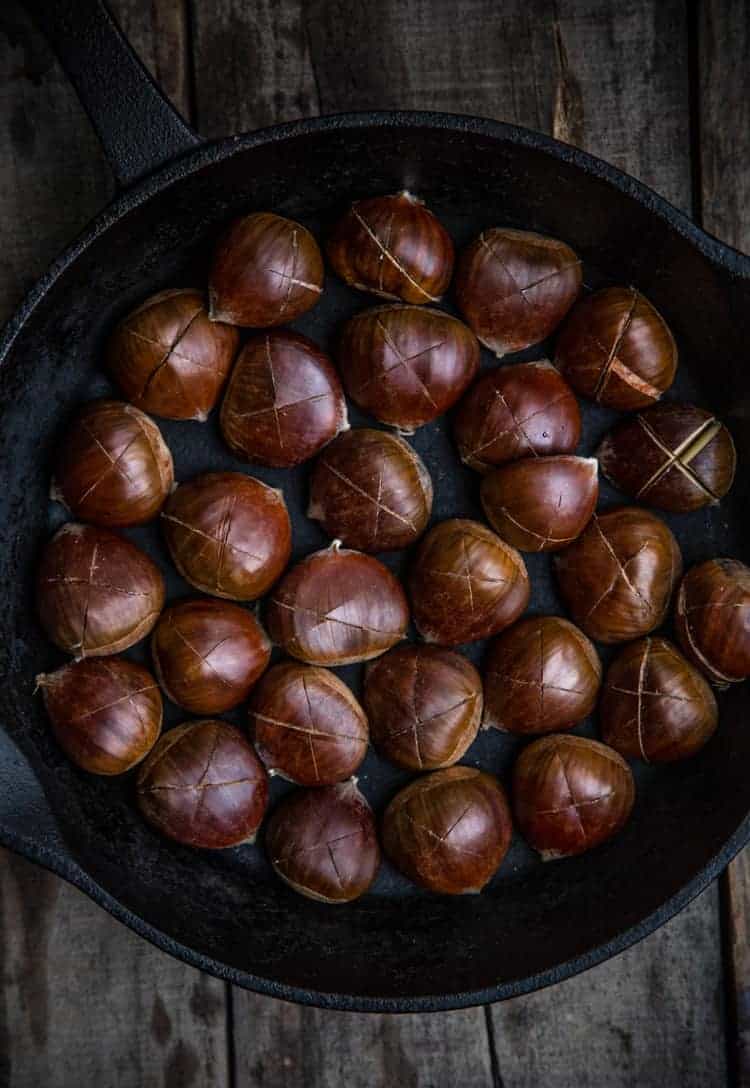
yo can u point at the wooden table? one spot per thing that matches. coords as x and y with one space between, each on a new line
662 89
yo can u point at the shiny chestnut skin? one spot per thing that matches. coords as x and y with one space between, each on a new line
229 534
615 348
540 676
570 794
208 654
112 467
284 401
204 786
712 619
514 287
266 270
406 365
617 578
371 490
97 594
105 713
449 831
168 358
337 606
307 725
655 705
674 456
465 583
541 504
392 246
424 705
323 842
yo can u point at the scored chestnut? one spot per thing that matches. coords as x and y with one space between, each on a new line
712 618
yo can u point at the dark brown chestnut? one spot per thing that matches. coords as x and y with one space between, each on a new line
371 490
228 534
406 365
615 348
465 583
424 705
514 287
97 593
204 786
712 619
307 725
105 714
168 358
617 578
267 270
284 401
541 675
450 830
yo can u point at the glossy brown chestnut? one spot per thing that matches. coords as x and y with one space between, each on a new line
97 593
674 456
337 606
514 287
570 794
392 246
406 365
284 401
465 583
203 785
307 725
450 830
323 842
617 578
113 467
105 714
615 348
208 654
169 359
228 534
371 490
267 270
541 504
541 675
712 619
655 706
424 705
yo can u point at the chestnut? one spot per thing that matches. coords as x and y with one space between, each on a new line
514 287
307 725
266 270
541 675
284 401
208 654
424 704
449 830
323 843
228 534
465 583
113 467
615 348
392 246
712 619
406 365
371 490
617 578
541 504
105 714
655 706
570 794
97 593
203 785
336 607
675 456
168 358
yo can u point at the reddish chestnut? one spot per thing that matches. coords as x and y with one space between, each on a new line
712 618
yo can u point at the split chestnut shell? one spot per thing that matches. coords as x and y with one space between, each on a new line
712 618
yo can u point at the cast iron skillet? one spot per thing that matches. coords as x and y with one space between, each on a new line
397 949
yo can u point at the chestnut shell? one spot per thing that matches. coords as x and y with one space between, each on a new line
712 619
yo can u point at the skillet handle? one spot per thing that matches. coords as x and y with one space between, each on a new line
138 128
